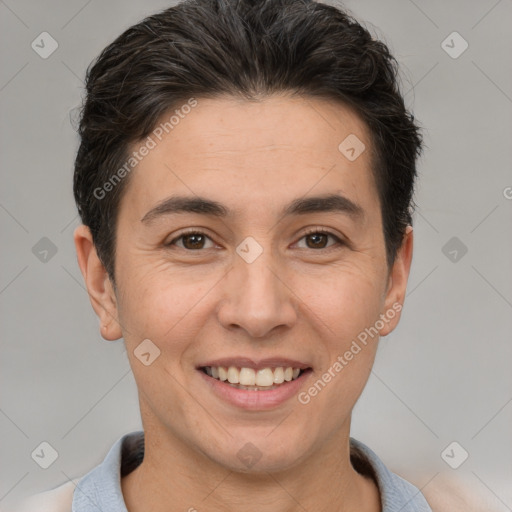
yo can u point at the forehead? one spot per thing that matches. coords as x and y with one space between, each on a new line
254 150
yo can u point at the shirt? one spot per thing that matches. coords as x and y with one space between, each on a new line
100 489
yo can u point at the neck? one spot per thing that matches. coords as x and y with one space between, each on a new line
174 473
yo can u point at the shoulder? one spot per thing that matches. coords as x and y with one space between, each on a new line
448 493
54 500
396 493
445 492
101 484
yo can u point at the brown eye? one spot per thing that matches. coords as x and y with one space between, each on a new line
191 241
318 239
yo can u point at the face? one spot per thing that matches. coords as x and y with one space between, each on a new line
248 239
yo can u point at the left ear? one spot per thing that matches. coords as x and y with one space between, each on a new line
397 284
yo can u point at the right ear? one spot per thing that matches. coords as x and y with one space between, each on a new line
99 287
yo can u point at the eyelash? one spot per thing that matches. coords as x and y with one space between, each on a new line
307 233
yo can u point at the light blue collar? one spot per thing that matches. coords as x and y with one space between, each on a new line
100 489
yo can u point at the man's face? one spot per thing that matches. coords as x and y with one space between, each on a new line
253 283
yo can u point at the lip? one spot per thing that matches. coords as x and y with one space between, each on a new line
261 400
245 362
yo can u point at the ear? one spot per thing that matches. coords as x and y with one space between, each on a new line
99 287
397 284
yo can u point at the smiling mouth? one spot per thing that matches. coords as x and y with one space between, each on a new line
250 379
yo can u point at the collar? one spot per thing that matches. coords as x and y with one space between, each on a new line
100 489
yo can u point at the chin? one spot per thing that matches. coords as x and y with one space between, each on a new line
261 452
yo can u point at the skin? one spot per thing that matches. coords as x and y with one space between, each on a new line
295 300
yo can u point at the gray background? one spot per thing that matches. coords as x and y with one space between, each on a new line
444 375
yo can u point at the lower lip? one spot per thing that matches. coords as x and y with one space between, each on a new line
260 400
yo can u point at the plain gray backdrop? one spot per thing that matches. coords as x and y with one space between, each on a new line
443 376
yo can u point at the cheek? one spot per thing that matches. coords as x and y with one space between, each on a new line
168 309
347 307
345 301
160 305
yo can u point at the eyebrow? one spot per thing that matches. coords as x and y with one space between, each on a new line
203 206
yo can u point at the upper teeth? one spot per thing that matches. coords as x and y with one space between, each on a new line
251 377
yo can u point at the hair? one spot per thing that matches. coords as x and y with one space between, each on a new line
245 49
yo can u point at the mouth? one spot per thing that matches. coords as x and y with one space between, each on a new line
255 379
253 385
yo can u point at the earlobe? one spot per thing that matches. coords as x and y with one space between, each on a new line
397 284
100 289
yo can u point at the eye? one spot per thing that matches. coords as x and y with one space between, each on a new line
191 240
319 239
194 240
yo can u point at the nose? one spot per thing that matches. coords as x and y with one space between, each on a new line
257 298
